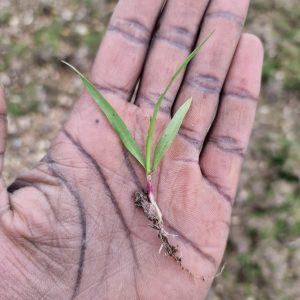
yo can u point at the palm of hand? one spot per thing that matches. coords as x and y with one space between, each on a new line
125 242
74 214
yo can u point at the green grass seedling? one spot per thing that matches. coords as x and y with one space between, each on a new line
148 202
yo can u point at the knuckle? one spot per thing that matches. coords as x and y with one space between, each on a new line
228 144
132 30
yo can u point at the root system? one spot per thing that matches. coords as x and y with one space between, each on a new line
142 201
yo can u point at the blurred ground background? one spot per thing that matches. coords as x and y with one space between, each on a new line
263 257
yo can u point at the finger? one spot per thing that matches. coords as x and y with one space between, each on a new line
121 56
3 122
4 202
227 141
171 44
208 70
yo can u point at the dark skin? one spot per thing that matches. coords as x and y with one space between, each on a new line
69 227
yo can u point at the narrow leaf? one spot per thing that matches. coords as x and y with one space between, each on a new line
161 98
170 133
113 118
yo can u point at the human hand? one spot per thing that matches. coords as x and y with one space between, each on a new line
69 228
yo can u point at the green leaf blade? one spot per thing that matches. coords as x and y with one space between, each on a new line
170 133
161 98
113 118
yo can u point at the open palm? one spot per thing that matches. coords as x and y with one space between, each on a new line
69 228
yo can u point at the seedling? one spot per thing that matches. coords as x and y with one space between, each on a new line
147 201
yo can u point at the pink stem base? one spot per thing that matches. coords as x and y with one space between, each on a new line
152 198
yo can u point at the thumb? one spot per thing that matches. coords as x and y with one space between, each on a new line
3 123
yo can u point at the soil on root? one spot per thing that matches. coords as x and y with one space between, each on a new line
141 200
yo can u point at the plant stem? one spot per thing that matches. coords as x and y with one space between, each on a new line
152 198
